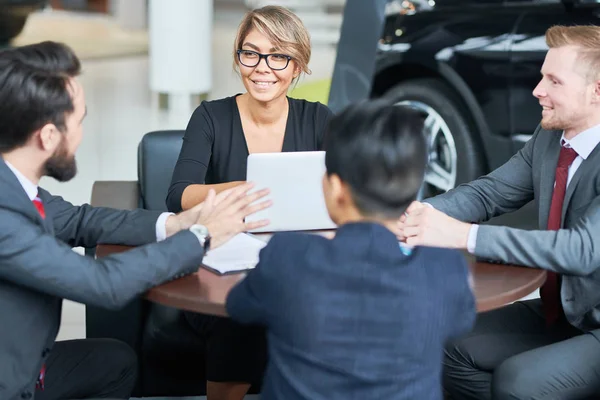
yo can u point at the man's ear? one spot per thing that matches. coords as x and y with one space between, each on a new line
49 137
340 191
597 91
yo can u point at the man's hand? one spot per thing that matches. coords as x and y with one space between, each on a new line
422 225
186 219
414 206
216 210
224 214
183 220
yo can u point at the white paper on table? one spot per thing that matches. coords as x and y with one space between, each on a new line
238 254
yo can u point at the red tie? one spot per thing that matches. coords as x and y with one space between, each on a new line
550 291
39 385
37 202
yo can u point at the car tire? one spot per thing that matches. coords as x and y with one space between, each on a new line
470 161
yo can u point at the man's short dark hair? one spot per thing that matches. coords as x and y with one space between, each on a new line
34 90
380 151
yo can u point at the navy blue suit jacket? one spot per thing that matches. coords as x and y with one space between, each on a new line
353 317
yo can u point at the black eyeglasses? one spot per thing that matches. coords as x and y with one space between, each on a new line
276 62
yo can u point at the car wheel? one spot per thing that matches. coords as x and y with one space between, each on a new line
455 155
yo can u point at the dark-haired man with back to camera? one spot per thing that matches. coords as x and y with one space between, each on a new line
359 316
42 106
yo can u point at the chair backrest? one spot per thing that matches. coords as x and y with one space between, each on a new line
157 155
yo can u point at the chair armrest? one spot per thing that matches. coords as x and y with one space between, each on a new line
123 195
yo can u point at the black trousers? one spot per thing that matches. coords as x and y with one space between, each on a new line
234 352
89 368
511 354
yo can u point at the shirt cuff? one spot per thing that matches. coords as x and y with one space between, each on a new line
161 226
472 239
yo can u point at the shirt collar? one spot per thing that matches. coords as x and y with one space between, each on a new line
585 142
30 188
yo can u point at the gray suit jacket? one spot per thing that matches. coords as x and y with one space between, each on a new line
38 269
573 251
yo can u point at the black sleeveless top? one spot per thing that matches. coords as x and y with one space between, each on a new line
214 146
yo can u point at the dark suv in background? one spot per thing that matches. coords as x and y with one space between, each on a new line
472 67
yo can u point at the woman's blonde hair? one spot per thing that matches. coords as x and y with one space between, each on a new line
586 38
283 28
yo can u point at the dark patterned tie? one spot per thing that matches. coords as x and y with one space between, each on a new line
550 291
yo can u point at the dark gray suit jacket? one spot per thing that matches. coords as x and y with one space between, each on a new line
38 269
573 251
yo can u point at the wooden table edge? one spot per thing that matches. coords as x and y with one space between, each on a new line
512 295
173 301
158 297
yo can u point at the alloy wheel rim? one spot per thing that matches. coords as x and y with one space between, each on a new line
441 171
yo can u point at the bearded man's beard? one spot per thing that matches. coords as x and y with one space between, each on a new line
61 166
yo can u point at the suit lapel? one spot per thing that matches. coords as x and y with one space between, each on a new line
548 175
587 167
16 195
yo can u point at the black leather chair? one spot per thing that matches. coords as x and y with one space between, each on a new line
171 356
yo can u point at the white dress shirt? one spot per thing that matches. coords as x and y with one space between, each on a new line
32 191
584 143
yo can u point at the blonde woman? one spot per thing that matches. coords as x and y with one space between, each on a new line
271 51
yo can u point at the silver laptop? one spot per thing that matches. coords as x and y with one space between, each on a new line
295 180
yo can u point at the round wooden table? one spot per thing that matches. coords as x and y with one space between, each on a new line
205 291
